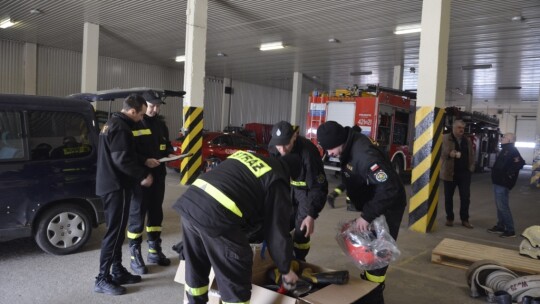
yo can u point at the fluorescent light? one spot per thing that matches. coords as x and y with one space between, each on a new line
271 46
476 67
361 73
6 23
510 88
181 58
408 29
523 144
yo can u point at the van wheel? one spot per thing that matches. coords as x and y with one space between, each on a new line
63 229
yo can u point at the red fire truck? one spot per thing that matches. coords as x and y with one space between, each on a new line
384 114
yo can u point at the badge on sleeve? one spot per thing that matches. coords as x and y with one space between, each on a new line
321 178
381 176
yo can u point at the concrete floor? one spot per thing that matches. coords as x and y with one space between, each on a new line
29 275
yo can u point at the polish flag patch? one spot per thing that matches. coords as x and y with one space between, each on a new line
374 168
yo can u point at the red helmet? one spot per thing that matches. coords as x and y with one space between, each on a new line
358 245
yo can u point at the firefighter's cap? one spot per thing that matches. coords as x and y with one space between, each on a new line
331 134
152 97
282 132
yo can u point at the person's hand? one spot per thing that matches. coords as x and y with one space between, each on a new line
147 182
453 153
151 162
362 224
290 278
309 225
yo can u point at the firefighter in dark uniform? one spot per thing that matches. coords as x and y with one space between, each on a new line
244 193
368 171
152 140
310 189
118 171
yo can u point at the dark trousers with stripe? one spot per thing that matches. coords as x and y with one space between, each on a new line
463 182
116 207
147 202
229 255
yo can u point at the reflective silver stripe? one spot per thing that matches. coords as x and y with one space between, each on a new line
218 196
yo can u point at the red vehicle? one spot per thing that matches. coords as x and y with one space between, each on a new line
217 146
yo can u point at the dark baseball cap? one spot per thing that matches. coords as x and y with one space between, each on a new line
152 97
282 132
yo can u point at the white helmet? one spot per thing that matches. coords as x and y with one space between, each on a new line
525 248
533 235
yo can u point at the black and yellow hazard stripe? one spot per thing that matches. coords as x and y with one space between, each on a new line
535 175
193 124
429 125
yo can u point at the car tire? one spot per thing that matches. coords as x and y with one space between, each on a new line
63 229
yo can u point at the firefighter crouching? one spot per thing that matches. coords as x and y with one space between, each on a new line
367 170
243 193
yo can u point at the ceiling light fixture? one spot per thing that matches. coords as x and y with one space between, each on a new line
408 29
510 88
181 58
35 11
476 67
361 73
271 46
220 54
517 18
333 40
6 23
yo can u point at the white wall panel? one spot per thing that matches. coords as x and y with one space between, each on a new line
58 72
11 67
213 96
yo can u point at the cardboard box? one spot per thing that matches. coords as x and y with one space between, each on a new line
331 294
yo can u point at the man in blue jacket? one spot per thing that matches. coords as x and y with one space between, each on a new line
504 175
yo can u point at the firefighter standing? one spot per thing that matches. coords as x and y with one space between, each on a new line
367 170
310 189
244 193
152 141
118 171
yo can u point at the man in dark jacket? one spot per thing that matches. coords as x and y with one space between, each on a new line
152 141
118 171
504 175
367 170
244 193
310 189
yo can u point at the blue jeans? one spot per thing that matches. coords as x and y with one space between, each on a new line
504 215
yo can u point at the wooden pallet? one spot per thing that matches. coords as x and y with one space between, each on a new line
462 254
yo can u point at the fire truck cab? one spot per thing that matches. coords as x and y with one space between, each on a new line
385 115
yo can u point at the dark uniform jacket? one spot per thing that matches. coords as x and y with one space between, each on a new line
259 188
370 178
117 163
505 171
310 189
152 140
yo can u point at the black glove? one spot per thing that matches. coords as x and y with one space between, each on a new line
331 199
179 248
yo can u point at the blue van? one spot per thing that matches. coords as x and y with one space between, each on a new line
48 153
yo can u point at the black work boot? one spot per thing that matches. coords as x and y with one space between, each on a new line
137 262
105 284
121 276
155 255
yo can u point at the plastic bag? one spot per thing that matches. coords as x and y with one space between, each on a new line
372 249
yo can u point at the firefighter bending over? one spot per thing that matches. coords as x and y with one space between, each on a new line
367 170
246 192
309 189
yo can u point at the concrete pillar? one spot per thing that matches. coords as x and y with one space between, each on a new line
467 99
90 57
30 68
429 114
226 104
397 82
535 175
296 98
196 25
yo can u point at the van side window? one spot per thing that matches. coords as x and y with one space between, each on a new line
58 135
11 141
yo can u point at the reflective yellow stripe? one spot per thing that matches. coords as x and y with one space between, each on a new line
302 246
256 165
76 150
153 229
338 191
374 278
247 302
162 147
152 250
218 196
298 183
199 291
142 132
133 235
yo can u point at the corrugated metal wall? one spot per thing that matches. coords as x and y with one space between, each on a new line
213 99
58 71
11 67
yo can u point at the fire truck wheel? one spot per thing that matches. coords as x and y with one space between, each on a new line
397 164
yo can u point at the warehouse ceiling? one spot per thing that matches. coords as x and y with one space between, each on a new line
501 33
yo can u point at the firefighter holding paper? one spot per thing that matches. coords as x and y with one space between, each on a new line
368 170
